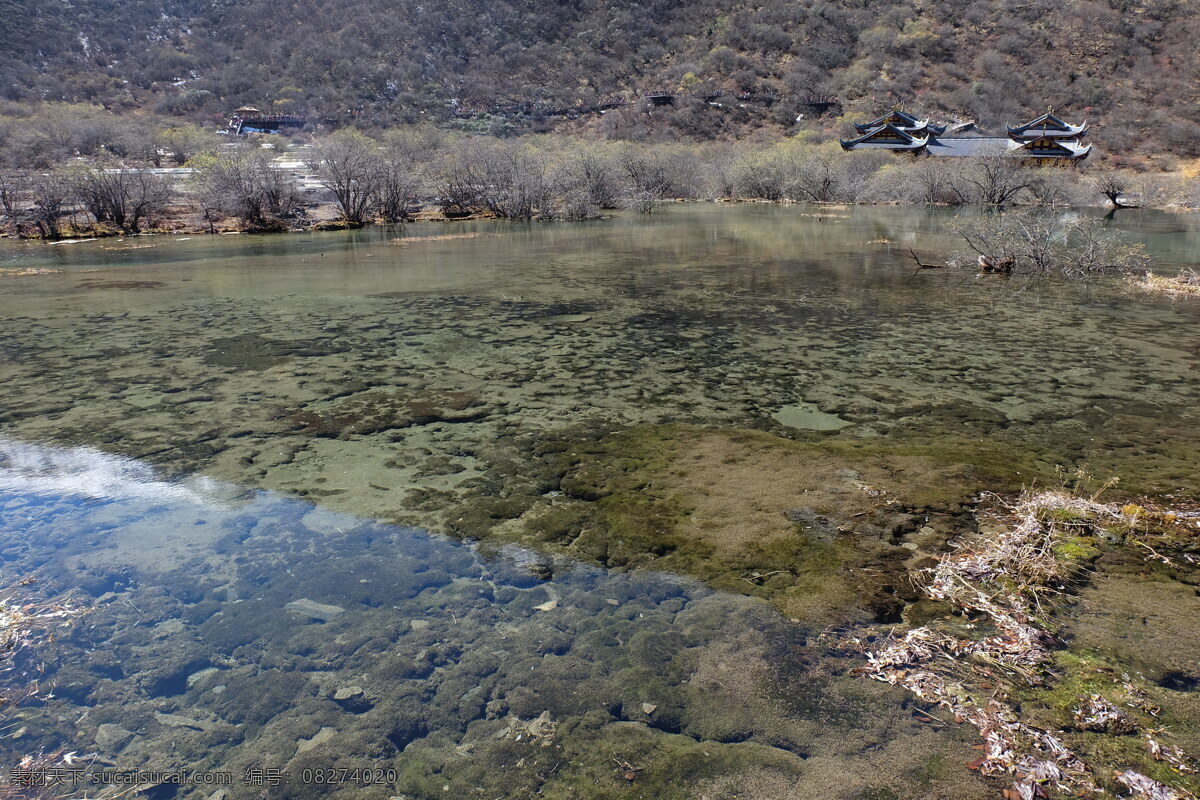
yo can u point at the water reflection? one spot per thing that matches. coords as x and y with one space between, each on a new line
62 472
269 636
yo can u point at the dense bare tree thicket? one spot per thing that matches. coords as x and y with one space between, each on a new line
108 177
1023 242
1128 64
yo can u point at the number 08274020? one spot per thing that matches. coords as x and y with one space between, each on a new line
363 777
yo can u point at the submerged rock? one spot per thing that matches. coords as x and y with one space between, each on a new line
180 721
809 417
314 610
112 738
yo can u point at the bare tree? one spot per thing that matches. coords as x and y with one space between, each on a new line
505 178
516 181
247 186
815 180
1111 185
50 193
126 197
764 176
647 179
654 173
936 180
397 186
996 180
13 191
349 166
1042 243
592 180
856 173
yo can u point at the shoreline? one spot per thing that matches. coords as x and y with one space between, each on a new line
324 221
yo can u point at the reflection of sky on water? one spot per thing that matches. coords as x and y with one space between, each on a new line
222 632
34 469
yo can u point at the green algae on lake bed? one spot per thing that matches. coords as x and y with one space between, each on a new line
612 393
281 637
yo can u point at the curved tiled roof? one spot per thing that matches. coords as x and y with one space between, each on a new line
1048 125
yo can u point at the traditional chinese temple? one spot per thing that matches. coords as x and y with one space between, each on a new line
1046 139
1049 137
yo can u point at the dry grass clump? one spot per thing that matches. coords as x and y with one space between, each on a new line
407 240
1185 283
1001 583
25 626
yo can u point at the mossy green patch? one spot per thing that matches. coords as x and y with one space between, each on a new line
1076 549
812 526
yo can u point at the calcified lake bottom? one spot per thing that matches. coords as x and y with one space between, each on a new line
679 462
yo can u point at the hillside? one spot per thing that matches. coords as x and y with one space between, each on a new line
1129 66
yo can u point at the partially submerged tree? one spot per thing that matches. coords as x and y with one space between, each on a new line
1041 243
1112 186
587 183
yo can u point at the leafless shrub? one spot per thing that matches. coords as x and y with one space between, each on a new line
996 180
125 197
397 187
764 175
590 179
815 180
653 174
938 180
349 166
13 192
856 174
247 186
1072 245
51 194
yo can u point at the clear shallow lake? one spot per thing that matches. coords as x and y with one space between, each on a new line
302 408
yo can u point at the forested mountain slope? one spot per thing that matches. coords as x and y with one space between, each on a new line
1130 66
